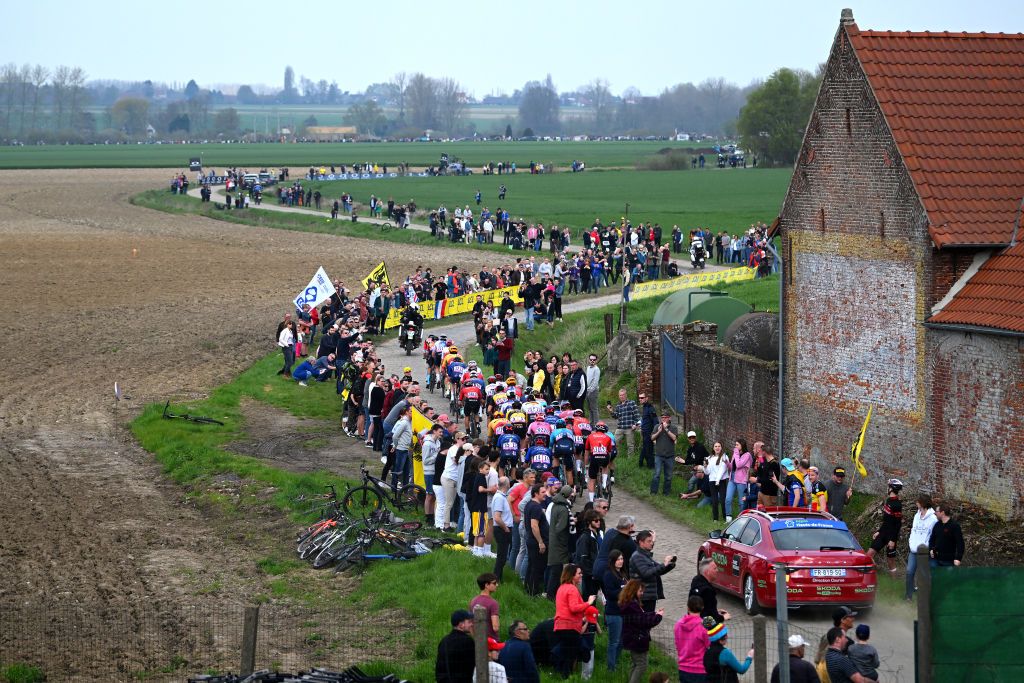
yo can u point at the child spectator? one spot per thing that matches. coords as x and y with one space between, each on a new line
863 655
750 493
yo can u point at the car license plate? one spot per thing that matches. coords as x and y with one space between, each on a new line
828 572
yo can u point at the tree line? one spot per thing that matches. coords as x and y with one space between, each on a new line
60 105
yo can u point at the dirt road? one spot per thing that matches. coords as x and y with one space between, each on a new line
892 627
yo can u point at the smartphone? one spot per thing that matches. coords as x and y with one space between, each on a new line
674 558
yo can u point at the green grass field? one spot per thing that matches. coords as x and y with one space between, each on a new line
253 156
726 198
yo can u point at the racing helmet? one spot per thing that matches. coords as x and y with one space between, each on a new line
472 364
895 485
549 409
601 426
560 424
577 413
491 380
511 381
540 440
538 417
452 348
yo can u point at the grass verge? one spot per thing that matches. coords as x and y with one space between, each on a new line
21 673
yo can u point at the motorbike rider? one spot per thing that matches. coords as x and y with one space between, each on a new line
698 251
411 314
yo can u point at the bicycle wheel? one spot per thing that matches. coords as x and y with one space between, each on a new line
350 557
312 539
384 227
362 501
411 496
313 545
204 420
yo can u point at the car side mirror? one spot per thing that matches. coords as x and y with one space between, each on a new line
716 534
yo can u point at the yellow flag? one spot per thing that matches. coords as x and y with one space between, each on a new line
378 274
859 444
419 423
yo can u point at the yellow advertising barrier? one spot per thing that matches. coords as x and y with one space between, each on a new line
648 289
436 310
378 274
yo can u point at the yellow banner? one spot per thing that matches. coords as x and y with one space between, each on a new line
859 444
378 274
647 289
419 423
435 310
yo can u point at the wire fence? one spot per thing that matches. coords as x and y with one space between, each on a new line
135 642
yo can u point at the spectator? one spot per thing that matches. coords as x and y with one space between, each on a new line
717 472
839 492
570 608
800 670
753 489
701 586
740 463
593 375
920 534
840 668
587 546
401 436
768 474
864 655
430 449
495 671
456 658
946 545
536 538
627 422
636 628
503 521
702 488
842 618
691 640
648 421
664 438
560 510
612 582
719 661
644 567
488 584
889 531
517 655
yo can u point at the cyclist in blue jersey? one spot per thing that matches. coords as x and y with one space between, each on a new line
538 456
509 451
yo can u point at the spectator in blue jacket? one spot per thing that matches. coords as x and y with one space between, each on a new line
517 655
648 421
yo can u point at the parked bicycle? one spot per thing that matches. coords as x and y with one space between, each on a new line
168 415
369 497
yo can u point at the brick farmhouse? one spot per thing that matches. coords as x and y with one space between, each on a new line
904 289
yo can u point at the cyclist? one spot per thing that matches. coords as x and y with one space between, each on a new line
453 367
492 386
581 429
509 452
496 427
563 445
469 397
538 427
598 450
532 407
517 420
549 415
512 389
538 456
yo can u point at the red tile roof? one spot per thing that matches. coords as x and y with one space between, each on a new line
955 104
993 297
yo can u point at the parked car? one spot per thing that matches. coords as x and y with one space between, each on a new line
825 563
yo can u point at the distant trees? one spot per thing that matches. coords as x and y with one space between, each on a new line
227 122
421 100
539 107
772 122
246 95
289 94
368 118
130 115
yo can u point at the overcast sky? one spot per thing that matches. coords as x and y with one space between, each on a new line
490 46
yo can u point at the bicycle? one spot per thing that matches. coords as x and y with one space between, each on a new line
369 497
167 415
385 226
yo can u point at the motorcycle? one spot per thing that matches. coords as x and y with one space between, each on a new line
697 254
409 337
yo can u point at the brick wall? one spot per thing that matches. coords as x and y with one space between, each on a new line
728 395
861 279
977 418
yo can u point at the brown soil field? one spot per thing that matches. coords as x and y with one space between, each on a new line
168 306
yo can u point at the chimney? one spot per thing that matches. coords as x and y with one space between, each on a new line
846 17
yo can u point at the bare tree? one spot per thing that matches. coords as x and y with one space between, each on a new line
9 80
40 74
25 78
451 104
421 94
61 76
601 101
399 86
76 94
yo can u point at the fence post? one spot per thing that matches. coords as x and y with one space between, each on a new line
249 629
782 619
608 331
760 649
480 626
924 616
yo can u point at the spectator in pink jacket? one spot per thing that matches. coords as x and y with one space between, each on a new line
739 469
691 642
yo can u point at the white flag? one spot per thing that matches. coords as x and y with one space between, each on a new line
320 289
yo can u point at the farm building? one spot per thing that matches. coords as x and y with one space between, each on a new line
904 273
331 133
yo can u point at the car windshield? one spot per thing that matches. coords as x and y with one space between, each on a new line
814 539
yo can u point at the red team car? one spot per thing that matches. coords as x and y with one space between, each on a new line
826 564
